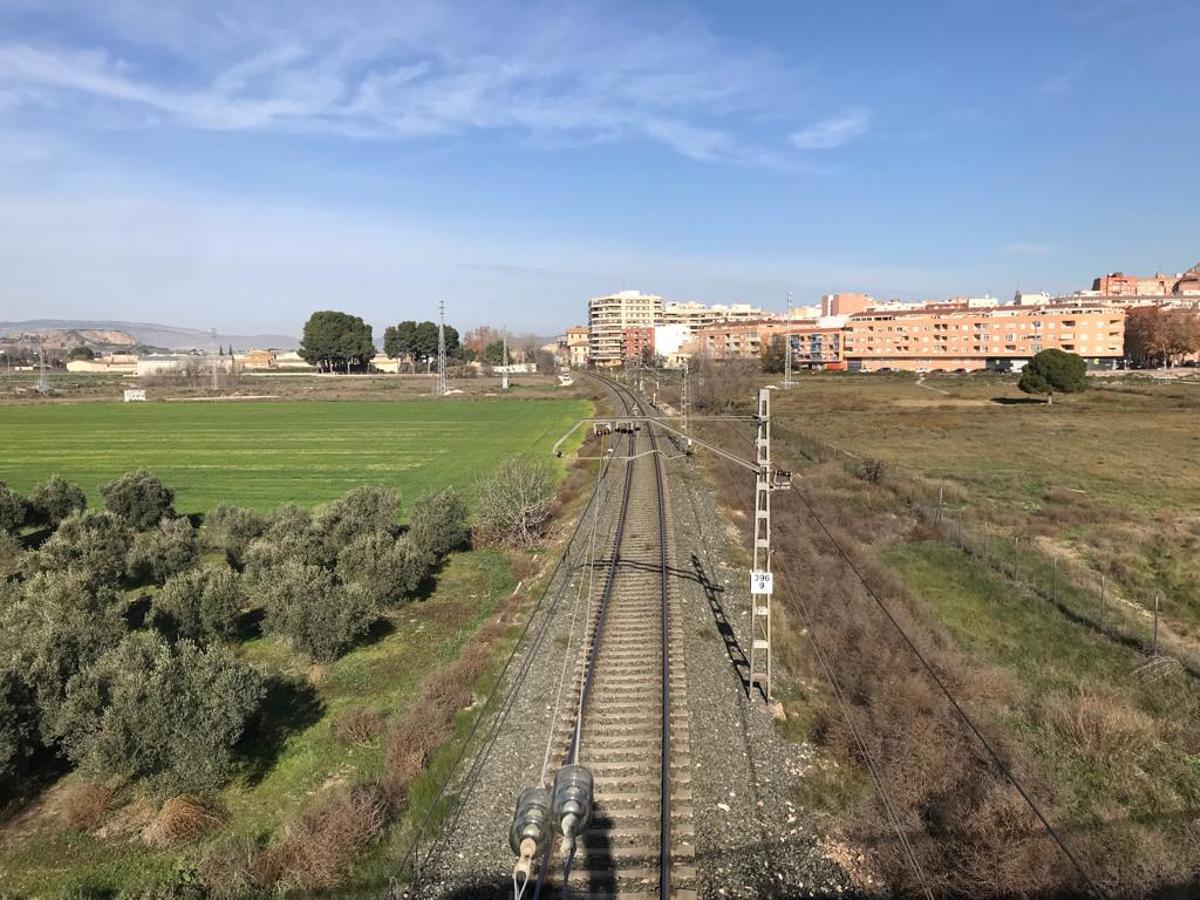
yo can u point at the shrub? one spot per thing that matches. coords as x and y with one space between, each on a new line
167 715
181 820
201 605
315 852
290 535
358 511
232 866
388 570
12 509
438 522
61 624
55 499
357 726
232 528
86 804
92 542
163 551
306 606
139 498
514 502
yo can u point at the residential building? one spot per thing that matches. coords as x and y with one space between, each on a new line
638 342
956 337
610 315
1119 284
577 347
845 304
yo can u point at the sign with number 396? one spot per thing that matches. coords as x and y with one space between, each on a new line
761 582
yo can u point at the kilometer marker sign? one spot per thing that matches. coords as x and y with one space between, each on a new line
762 582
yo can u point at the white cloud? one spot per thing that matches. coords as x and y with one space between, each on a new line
834 132
543 72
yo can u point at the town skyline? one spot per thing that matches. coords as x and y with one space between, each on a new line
239 165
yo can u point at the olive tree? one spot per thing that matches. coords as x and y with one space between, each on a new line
12 509
61 624
387 569
515 502
161 552
438 522
306 606
231 529
358 511
202 605
168 715
139 498
91 541
55 499
18 721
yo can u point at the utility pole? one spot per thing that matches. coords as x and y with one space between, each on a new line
683 404
440 386
504 369
761 578
42 384
213 359
787 350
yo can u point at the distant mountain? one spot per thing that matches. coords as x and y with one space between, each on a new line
152 335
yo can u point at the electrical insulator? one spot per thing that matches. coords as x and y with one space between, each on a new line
572 805
530 828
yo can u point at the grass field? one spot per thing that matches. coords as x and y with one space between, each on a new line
261 454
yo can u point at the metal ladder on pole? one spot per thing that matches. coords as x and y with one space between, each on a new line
760 578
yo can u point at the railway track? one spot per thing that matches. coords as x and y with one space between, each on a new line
630 727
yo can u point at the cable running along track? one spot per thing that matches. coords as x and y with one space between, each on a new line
629 723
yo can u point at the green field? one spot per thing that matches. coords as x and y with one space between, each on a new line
261 454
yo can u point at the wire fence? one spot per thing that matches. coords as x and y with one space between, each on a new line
1090 599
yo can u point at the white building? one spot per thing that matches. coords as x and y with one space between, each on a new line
610 315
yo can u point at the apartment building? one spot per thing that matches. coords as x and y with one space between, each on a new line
638 342
957 337
610 315
695 315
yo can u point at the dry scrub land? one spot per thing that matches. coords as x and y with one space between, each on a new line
957 533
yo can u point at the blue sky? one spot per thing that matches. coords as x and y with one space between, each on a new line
239 164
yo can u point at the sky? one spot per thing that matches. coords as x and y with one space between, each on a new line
237 164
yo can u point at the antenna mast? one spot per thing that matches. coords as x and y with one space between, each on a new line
504 368
440 387
42 385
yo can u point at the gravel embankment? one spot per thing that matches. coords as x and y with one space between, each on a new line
751 839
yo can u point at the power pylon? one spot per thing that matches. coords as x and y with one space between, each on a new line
683 404
440 386
42 384
761 580
504 369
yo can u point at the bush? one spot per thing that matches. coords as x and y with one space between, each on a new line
139 498
438 522
181 820
202 605
163 551
92 542
290 535
12 509
61 624
315 852
358 511
514 502
306 606
86 804
166 715
232 528
55 499
388 570
357 726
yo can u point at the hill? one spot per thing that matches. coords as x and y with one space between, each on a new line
109 333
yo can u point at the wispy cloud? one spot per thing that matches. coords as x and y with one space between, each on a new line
1026 249
541 72
834 132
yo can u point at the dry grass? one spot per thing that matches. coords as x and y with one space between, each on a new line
181 820
86 805
232 866
316 851
1100 727
357 727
